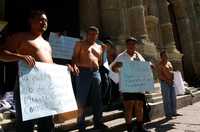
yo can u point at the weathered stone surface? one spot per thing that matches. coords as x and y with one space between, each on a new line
89 14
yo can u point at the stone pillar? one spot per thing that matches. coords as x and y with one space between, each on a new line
114 21
152 21
137 27
186 40
89 14
167 36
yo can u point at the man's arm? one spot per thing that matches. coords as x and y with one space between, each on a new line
103 53
76 57
116 66
8 52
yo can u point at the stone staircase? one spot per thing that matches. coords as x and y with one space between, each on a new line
113 115
115 118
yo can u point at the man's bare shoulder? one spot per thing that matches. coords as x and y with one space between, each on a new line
20 35
80 43
46 42
14 41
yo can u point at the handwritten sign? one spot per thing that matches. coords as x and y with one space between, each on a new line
45 90
136 76
62 46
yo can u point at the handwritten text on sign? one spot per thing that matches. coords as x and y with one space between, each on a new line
136 76
45 90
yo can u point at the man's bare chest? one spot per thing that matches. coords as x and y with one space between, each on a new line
92 50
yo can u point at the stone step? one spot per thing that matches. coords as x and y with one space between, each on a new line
107 116
155 99
117 115
150 95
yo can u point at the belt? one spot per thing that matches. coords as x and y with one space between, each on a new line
88 68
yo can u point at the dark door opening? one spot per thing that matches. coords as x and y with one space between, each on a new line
63 15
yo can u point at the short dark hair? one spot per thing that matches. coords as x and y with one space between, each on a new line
108 42
162 53
130 38
35 13
93 28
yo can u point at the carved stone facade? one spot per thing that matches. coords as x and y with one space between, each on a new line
171 25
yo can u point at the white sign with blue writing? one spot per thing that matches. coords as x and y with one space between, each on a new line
62 46
136 76
45 90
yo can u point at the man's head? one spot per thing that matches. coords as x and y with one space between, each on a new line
163 56
92 33
131 44
38 21
109 44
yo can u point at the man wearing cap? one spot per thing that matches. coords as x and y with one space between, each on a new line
132 101
86 59
111 51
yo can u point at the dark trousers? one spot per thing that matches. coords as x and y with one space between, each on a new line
89 92
44 124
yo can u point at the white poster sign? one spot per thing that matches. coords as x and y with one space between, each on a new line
136 76
45 90
62 46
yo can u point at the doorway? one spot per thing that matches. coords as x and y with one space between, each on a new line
63 15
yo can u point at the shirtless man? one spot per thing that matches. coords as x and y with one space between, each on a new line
167 89
29 47
88 57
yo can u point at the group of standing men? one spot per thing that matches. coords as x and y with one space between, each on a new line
88 56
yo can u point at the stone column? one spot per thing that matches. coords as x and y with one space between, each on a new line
89 14
114 21
186 40
152 21
138 28
167 35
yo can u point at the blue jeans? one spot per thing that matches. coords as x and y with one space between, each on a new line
169 99
89 92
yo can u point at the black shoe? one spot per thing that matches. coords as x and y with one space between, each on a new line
81 130
142 129
129 127
169 117
100 127
177 114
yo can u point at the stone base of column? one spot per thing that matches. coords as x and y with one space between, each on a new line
175 57
148 50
